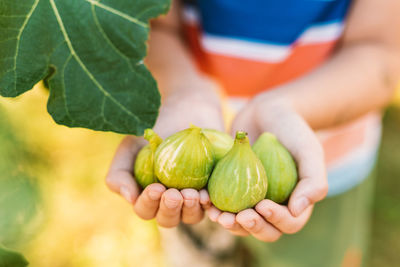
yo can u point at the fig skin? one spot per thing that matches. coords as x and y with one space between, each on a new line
279 166
239 180
184 160
144 164
221 142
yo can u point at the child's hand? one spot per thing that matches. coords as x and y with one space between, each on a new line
168 206
266 222
269 220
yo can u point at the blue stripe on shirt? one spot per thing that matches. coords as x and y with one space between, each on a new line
271 21
344 178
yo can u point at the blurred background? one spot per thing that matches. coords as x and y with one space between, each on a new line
57 211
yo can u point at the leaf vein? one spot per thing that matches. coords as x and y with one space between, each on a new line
102 113
118 13
83 66
113 46
101 30
18 40
63 86
108 40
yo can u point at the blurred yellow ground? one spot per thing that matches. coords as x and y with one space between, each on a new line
81 223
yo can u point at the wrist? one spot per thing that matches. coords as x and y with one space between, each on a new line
138 142
198 104
272 104
276 110
199 89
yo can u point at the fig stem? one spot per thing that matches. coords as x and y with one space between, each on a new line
152 138
195 129
148 134
241 135
192 126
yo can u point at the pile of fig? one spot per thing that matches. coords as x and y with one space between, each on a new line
236 174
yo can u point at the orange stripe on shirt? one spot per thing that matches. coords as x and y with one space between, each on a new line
343 140
242 77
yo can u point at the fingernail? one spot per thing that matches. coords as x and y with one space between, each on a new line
125 193
189 203
154 195
301 205
171 204
213 216
249 224
203 197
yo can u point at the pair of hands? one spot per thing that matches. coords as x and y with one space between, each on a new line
268 220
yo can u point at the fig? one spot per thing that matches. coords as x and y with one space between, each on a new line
279 166
144 167
221 142
239 180
184 160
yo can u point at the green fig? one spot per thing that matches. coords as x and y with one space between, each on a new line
184 160
279 166
238 181
221 142
144 169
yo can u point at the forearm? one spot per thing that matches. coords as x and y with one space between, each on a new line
359 78
361 75
171 63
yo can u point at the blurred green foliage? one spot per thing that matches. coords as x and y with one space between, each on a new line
10 258
385 242
19 194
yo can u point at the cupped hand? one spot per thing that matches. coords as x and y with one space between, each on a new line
268 220
168 206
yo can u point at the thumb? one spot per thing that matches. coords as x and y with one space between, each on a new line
119 178
297 136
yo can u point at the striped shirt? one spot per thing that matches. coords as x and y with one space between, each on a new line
255 45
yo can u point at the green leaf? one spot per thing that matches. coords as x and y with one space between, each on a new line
9 258
89 52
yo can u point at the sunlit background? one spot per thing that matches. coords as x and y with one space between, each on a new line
57 211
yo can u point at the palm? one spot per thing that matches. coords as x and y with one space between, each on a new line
268 220
168 206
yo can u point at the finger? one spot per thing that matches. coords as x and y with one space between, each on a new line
252 222
313 183
281 218
213 213
295 134
119 178
191 211
228 221
205 199
149 200
169 213
123 183
307 193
